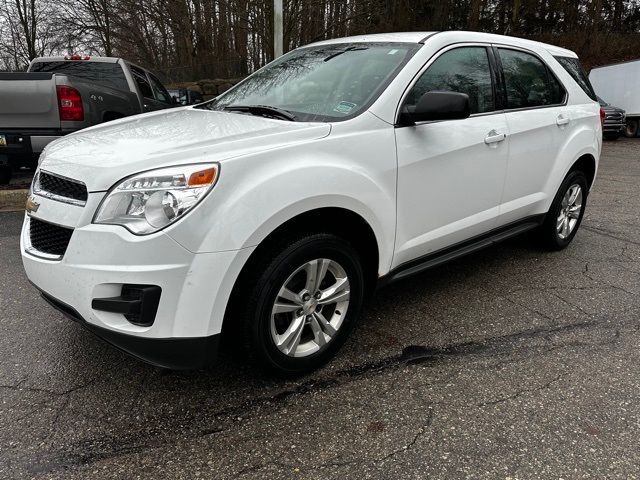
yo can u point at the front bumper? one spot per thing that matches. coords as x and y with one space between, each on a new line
172 353
100 259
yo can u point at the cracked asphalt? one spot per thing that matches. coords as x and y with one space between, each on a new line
509 363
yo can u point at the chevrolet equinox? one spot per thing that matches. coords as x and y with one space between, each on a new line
274 209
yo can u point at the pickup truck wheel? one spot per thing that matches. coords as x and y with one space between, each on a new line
565 215
303 304
631 129
5 175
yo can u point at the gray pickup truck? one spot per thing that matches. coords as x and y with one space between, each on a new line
60 95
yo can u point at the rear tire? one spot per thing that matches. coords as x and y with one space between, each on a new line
565 214
631 130
290 321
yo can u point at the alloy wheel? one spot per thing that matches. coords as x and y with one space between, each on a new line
570 210
310 308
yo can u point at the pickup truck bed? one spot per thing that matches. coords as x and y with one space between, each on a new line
63 95
28 99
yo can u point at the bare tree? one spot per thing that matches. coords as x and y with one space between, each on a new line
195 39
90 20
29 30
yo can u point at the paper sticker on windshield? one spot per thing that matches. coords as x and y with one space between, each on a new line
393 52
344 107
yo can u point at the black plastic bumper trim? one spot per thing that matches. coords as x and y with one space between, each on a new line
138 303
173 353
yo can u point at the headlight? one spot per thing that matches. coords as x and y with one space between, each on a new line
149 201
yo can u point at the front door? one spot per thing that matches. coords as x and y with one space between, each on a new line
451 173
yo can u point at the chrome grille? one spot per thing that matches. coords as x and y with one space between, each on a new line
60 188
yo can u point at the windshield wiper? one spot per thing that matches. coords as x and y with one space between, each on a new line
348 49
263 111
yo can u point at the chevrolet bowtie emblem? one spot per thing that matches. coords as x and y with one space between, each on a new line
32 206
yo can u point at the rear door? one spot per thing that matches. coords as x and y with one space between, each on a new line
539 122
451 173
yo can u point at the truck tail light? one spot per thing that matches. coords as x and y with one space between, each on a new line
70 104
77 57
602 115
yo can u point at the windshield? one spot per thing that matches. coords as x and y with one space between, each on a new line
324 83
602 102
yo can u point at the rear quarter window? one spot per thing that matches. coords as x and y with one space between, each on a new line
573 68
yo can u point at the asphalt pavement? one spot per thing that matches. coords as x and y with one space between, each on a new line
509 363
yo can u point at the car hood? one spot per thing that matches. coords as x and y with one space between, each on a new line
101 155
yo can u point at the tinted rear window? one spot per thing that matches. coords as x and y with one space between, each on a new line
573 68
108 74
528 81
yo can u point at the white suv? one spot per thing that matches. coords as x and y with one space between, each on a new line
274 209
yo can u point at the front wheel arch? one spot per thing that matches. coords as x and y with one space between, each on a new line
339 221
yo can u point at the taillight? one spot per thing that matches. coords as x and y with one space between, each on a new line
70 104
602 115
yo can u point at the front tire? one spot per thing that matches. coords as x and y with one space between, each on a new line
302 302
565 214
631 130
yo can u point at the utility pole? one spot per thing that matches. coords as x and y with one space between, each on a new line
277 29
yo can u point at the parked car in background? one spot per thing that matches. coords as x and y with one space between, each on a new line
275 209
186 96
618 83
60 95
615 121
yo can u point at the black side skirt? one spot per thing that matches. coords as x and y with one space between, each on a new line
460 249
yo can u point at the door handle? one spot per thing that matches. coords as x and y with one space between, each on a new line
562 120
494 137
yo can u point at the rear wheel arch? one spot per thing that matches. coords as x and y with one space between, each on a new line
587 165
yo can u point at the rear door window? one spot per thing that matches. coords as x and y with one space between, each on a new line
528 81
574 68
462 70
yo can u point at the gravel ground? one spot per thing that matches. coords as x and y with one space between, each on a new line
509 363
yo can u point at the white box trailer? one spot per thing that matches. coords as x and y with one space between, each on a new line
618 85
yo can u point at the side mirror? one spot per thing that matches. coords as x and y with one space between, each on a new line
437 105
